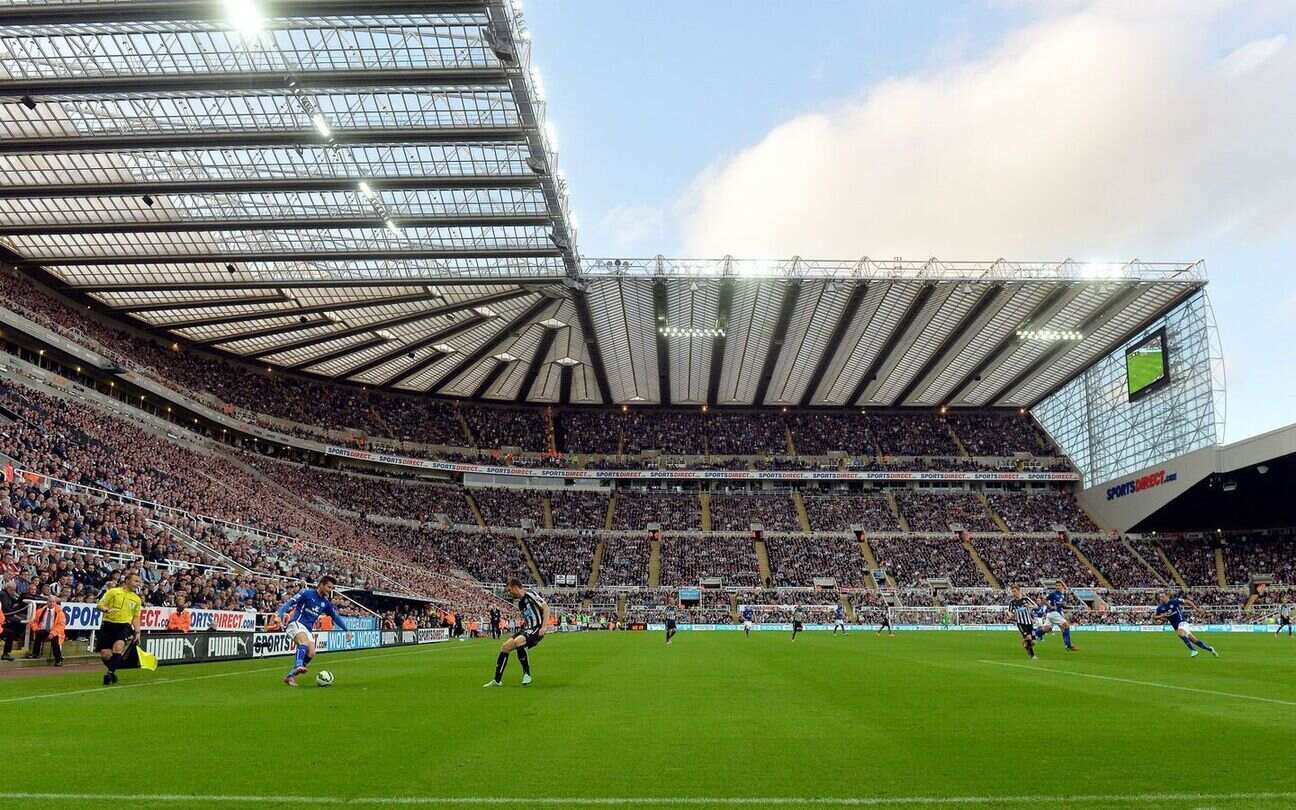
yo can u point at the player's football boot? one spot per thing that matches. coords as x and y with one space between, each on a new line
489 684
526 680
1193 654
291 680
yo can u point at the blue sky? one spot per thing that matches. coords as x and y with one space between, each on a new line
966 131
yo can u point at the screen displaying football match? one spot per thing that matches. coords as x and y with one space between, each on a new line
1147 365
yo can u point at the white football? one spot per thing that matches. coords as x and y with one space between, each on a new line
324 678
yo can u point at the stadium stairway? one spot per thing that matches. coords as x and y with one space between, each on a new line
705 499
595 566
762 560
611 512
530 560
803 517
202 548
981 566
621 608
1221 570
472 504
846 603
551 435
463 427
994 516
963 451
1158 576
1093 569
546 509
654 563
1170 567
871 560
791 445
895 510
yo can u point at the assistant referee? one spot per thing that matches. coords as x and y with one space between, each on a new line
121 608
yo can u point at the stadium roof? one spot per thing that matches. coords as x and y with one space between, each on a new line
367 190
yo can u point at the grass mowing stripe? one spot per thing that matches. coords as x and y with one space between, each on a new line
107 689
651 801
1152 684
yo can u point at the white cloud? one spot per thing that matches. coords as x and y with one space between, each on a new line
1094 132
633 229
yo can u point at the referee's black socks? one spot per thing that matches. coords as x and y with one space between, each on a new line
524 660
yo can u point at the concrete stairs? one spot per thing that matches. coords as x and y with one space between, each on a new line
846 604
895 510
994 516
762 560
654 563
1093 569
621 608
547 509
193 544
472 504
981 565
530 561
1170 567
871 560
1159 576
791 445
596 566
1221 570
469 441
963 451
611 510
705 499
733 607
803 517
551 433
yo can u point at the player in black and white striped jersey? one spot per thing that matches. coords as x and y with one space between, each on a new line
535 617
1022 609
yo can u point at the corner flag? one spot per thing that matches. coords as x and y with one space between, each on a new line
135 658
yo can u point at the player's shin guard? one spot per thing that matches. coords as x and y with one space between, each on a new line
524 660
302 652
500 664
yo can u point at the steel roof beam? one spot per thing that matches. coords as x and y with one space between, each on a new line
889 346
834 341
791 292
661 315
592 344
1114 305
206 11
340 282
271 331
314 309
272 224
42 88
444 333
202 303
724 306
202 139
386 323
489 379
978 309
512 329
336 353
304 256
537 360
269 185
564 384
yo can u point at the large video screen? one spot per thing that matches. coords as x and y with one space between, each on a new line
1147 365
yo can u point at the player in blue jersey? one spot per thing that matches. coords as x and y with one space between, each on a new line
1055 615
306 608
1176 611
839 620
749 618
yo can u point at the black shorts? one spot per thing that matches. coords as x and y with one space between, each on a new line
532 639
109 633
796 627
670 624
1027 630
1283 621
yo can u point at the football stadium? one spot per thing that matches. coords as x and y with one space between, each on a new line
315 422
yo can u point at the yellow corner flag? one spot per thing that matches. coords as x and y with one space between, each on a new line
147 660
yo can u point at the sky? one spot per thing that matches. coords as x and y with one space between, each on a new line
1034 131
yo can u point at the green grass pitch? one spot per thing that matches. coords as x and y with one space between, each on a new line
716 720
1143 369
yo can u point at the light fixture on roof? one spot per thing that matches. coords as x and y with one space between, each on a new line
392 226
505 357
366 190
637 398
552 323
147 200
385 335
485 312
244 16
445 348
567 361
1050 335
320 124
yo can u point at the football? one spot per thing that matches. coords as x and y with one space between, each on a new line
324 678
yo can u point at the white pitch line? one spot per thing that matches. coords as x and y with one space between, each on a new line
1152 684
103 690
652 801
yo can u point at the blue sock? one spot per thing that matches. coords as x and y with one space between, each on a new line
302 650
1066 636
1203 645
1187 643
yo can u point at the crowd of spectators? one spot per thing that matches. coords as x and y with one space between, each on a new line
523 428
624 561
797 561
689 560
838 513
1117 562
1194 559
508 507
1040 511
1027 561
572 509
775 512
589 430
910 560
672 432
817 434
369 494
557 555
744 434
1273 556
918 433
673 512
995 433
936 510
